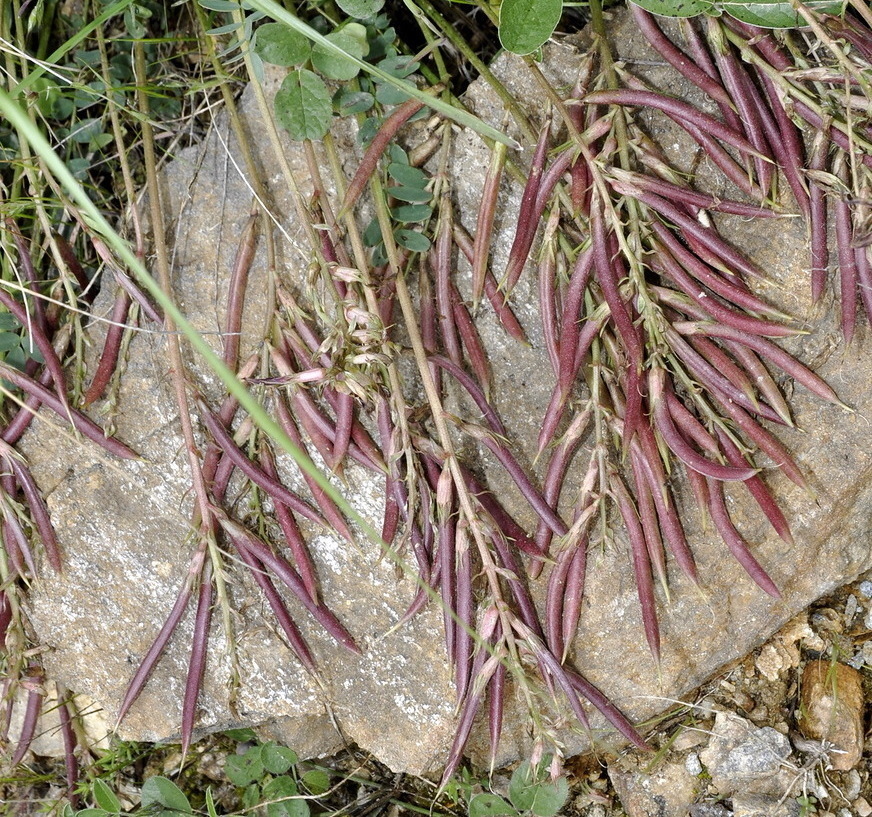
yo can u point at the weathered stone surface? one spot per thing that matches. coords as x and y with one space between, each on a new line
761 805
668 789
832 710
125 531
743 758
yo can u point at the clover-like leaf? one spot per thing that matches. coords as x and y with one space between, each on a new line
360 8
303 105
489 805
351 38
278 44
527 24
777 14
161 791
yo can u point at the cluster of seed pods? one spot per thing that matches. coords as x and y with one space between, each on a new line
805 110
628 322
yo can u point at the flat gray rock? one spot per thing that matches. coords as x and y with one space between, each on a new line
124 527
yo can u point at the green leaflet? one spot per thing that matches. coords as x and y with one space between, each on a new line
351 38
527 24
279 45
360 8
763 13
778 14
303 105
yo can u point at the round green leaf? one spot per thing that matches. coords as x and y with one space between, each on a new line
412 240
243 769
527 24
92 812
281 787
316 781
351 38
676 8
777 14
277 759
489 805
161 791
533 790
279 45
303 105
360 8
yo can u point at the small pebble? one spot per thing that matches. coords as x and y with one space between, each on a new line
861 804
852 785
851 606
693 765
866 589
832 706
867 621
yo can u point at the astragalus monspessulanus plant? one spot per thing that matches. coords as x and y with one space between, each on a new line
660 353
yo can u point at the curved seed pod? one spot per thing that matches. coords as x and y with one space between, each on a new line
111 349
611 713
377 147
847 264
757 488
463 665
573 592
71 764
527 223
667 265
765 441
497 300
31 715
39 511
650 526
675 109
789 147
713 380
197 664
245 540
554 602
291 531
80 422
274 488
519 476
548 291
147 665
280 611
680 61
648 458
761 378
485 222
685 195
488 412
737 545
729 290
472 342
236 287
708 237
440 263
37 335
496 690
469 708
786 362
641 564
